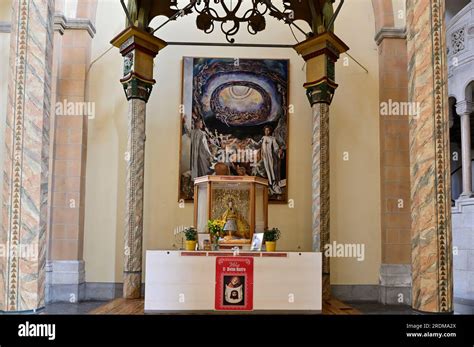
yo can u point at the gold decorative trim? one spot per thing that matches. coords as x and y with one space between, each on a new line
441 162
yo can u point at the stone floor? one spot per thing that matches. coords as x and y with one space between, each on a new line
68 308
378 308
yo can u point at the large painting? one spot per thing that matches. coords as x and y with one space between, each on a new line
235 121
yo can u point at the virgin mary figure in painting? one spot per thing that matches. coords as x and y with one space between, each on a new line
200 153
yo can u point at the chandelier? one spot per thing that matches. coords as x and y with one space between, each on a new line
231 14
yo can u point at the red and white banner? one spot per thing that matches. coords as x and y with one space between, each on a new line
234 284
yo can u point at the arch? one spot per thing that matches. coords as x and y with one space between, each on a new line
455 147
453 7
383 12
469 91
452 101
452 95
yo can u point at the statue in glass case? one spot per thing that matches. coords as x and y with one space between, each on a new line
239 202
233 217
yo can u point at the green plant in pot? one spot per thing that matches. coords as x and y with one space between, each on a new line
270 237
190 233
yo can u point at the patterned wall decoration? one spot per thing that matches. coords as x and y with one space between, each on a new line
457 40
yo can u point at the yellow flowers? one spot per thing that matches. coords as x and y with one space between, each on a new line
215 226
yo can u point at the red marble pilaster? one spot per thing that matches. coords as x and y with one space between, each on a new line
429 157
25 176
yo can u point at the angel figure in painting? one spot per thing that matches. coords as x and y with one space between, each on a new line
271 153
201 155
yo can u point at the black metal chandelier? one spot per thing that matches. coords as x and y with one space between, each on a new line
231 15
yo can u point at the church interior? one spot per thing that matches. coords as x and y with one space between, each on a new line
242 156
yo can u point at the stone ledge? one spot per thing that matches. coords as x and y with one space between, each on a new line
462 204
390 33
61 24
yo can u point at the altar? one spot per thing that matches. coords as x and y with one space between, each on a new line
215 281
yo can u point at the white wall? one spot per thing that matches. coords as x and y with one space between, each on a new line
355 195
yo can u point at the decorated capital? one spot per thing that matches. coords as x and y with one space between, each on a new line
138 48
321 53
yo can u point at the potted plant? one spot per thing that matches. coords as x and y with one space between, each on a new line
270 237
215 227
190 233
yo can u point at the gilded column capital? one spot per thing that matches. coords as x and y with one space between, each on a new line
138 48
321 53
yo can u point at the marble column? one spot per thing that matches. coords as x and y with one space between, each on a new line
321 53
26 165
320 187
464 109
429 157
139 48
135 157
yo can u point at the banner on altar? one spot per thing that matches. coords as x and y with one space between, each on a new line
234 284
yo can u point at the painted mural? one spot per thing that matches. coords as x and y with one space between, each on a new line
235 121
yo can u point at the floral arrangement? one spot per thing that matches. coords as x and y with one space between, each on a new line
215 227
